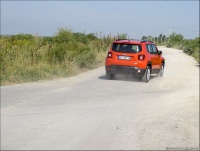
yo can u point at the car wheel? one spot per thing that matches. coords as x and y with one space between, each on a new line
109 75
161 71
147 75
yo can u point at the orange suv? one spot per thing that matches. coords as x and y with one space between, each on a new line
138 57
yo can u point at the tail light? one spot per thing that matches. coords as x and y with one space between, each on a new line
141 57
109 55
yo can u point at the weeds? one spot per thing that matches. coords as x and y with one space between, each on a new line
24 57
191 47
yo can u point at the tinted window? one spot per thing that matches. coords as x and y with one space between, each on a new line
149 49
154 49
130 48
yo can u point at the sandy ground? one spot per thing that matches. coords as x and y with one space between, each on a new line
89 112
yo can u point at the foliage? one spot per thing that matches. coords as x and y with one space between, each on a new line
149 38
175 39
24 57
189 46
122 36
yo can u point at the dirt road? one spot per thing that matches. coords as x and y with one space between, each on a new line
89 112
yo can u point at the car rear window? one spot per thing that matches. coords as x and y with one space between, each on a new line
130 48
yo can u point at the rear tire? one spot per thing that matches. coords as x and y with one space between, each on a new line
147 75
161 71
110 76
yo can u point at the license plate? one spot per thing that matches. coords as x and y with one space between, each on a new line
124 58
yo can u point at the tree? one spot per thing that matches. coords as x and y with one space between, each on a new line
122 36
144 37
150 38
155 39
163 38
160 38
175 38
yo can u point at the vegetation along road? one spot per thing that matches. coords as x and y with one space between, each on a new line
88 111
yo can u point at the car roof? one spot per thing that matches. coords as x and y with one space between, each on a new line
132 41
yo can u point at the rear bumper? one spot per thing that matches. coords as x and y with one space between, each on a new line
125 69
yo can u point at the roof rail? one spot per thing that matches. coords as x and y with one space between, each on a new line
146 41
135 40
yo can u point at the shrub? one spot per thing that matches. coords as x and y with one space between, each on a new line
57 53
86 58
191 47
24 57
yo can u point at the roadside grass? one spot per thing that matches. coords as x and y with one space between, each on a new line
48 72
189 46
26 58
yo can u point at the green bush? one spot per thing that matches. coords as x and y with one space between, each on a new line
86 58
64 36
57 53
191 47
25 57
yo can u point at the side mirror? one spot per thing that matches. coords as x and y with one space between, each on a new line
159 52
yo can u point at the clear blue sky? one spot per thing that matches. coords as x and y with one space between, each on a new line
136 18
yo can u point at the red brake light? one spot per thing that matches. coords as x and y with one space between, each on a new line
109 55
141 57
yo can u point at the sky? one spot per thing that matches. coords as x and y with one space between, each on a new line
134 18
